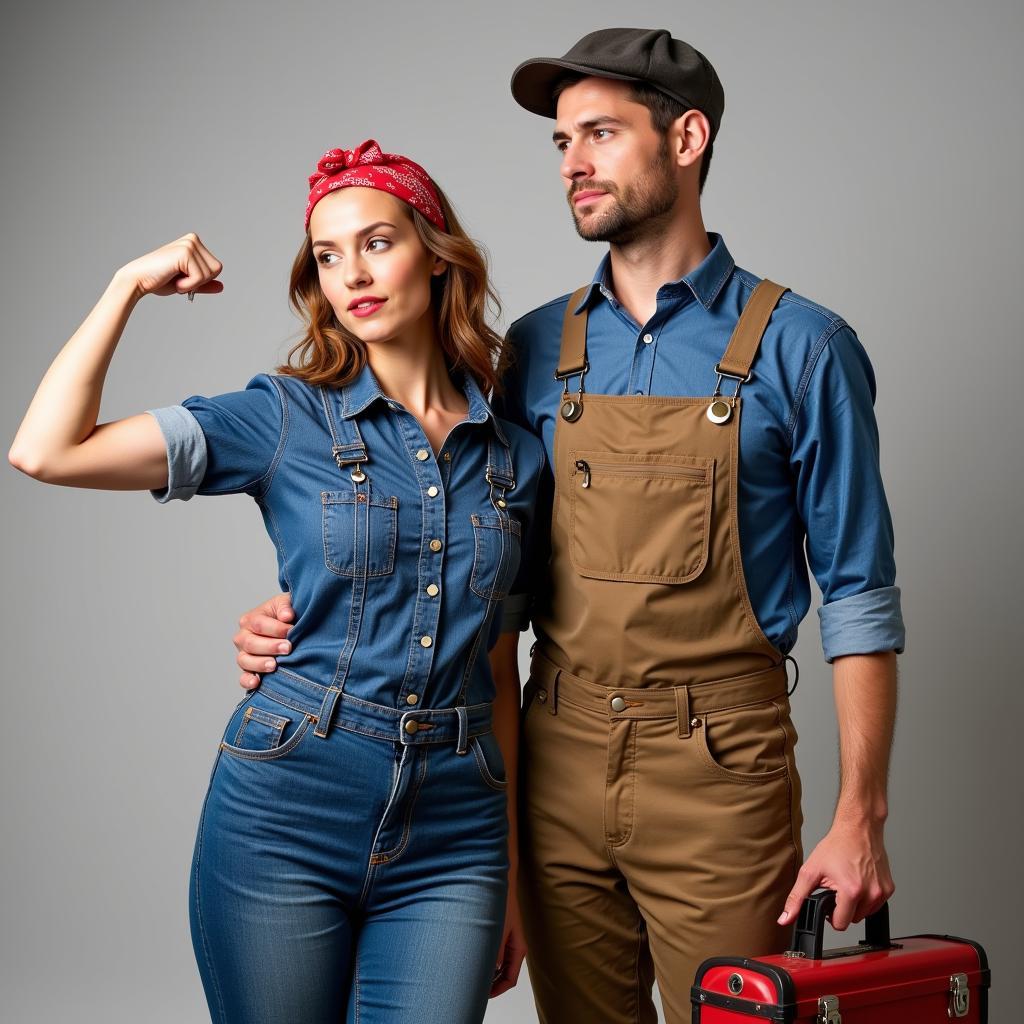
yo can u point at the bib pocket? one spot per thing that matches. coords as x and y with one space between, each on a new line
640 518
344 517
496 553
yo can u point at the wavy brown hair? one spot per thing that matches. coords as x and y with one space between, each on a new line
327 353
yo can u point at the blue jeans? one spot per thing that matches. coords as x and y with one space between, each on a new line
359 876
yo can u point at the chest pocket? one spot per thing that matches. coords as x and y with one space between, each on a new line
346 534
640 518
496 554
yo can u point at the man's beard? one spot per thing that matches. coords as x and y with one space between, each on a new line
651 195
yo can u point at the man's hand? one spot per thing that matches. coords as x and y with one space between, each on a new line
852 860
513 948
262 635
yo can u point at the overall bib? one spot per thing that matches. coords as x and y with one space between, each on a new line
659 797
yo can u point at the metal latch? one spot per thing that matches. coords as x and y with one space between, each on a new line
959 996
828 1010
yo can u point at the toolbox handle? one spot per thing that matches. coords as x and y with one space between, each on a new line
809 933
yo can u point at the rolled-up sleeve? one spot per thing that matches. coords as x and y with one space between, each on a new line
224 444
841 499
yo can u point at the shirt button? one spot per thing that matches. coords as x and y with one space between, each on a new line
447 456
423 455
425 641
433 589
435 545
432 491
648 338
412 699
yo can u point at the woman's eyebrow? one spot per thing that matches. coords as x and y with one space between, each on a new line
359 234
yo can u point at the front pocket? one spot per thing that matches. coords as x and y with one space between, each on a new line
640 518
747 744
496 553
489 760
345 533
261 729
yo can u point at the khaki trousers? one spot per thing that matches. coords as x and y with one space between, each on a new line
659 827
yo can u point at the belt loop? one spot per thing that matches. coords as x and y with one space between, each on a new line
683 710
553 693
463 747
327 711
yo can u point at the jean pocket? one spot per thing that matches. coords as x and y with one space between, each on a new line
261 729
496 554
640 518
746 744
489 760
353 532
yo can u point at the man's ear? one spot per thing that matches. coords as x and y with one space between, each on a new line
688 137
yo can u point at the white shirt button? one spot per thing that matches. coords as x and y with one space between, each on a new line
648 338
433 589
423 455
432 491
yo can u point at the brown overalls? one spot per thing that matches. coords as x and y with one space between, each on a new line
660 799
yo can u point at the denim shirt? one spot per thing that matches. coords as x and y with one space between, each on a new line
808 453
396 560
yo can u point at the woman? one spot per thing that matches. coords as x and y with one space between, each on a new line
352 855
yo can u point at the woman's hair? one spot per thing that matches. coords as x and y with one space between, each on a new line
327 353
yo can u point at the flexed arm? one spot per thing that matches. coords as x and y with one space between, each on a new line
59 440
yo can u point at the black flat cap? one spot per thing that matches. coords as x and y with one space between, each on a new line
633 55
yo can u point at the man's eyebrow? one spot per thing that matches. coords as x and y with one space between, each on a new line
594 122
359 234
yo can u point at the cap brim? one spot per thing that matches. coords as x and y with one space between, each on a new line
533 81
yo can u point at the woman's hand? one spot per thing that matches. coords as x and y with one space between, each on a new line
184 265
261 635
513 948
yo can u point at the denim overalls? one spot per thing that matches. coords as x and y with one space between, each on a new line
351 856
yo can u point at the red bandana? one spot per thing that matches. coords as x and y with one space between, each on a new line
389 172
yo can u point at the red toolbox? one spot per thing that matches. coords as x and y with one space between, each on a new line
913 979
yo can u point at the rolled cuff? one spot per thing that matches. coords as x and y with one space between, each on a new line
515 613
864 623
186 452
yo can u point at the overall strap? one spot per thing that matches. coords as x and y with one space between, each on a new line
349 452
746 337
572 358
500 473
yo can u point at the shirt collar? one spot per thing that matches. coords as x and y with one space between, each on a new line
705 280
364 389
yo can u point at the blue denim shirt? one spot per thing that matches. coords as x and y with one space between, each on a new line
808 472
396 561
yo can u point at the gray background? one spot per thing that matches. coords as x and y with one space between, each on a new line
870 158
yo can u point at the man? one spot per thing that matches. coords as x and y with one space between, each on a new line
701 426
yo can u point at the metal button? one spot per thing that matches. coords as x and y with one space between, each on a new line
500 503
425 641
618 704
433 589
435 545
648 338
694 723
412 726
447 456
412 699
423 455
432 491
542 696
